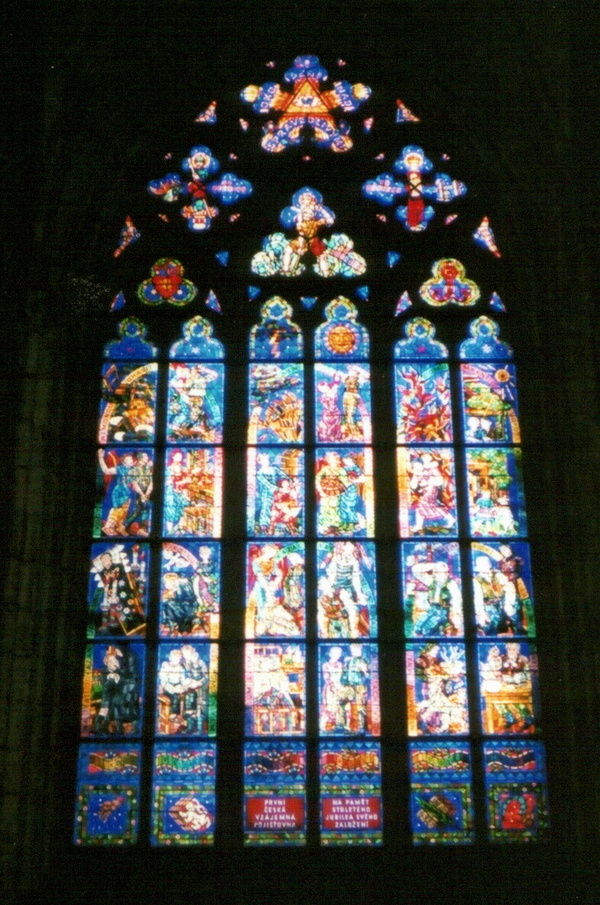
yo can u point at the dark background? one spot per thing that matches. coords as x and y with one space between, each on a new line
97 94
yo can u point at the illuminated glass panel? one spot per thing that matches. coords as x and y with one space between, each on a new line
441 802
190 590
502 589
449 285
128 407
274 799
508 684
109 771
346 595
489 403
436 688
193 492
342 403
427 491
275 670
345 496
423 409
350 774
118 590
348 670
195 403
132 344
113 681
197 342
275 594
495 489
107 803
515 780
124 492
432 594
416 188
483 343
275 688
275 492
276 403
276 337
341 337
330 255
303 107
183 799
349 689
514 768
419 343
186 689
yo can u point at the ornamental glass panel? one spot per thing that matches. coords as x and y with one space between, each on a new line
351 807
441 796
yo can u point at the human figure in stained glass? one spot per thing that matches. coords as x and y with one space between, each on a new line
345 597
430 504
348 685
285 509
194 410
336 482
329 425
512 566
139 513
128 477
199 165
127 411
179 605
356 681
266 483
334 256
444 602
119 705
496 505
342 403
495 599
183 680
189 590
441 689
117 600
508 685
277 591
413 165
332 715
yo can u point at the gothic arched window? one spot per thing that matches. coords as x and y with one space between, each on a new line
309 442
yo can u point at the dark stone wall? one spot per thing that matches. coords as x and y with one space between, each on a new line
94 87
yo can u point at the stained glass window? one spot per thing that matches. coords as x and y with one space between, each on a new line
179 600
275 621
288 565
432 596
492 612
348 655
